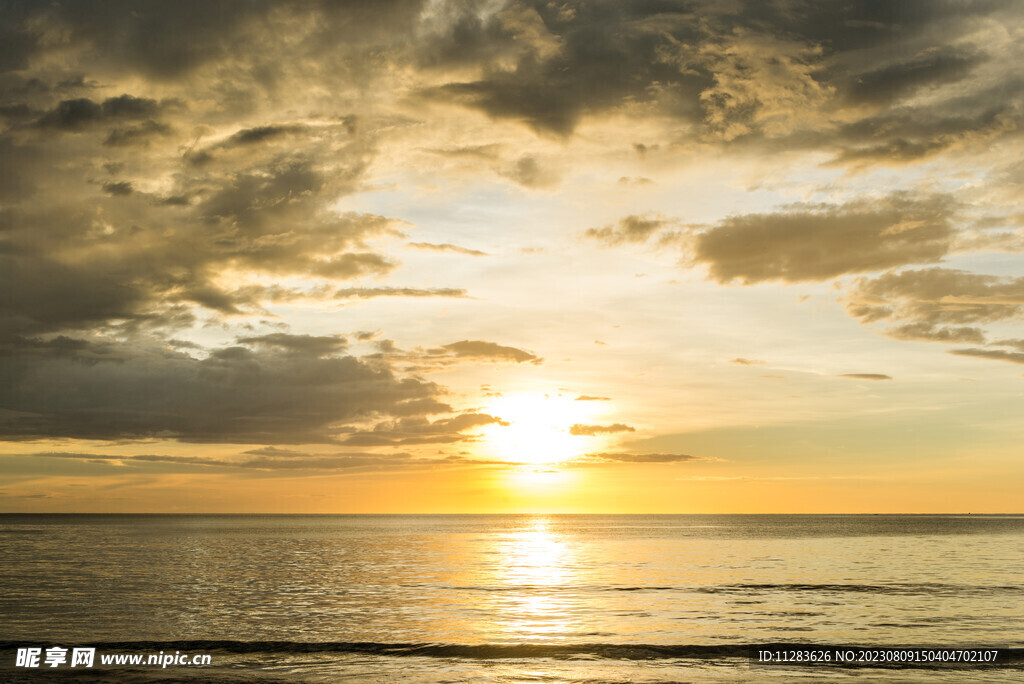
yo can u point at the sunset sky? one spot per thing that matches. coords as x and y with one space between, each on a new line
598 256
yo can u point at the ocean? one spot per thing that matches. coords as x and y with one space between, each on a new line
510 598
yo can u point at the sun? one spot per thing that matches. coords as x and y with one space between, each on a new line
538 428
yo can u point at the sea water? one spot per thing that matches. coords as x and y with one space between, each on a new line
508 598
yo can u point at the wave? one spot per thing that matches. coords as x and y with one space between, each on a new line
1014 656
894 588
936 588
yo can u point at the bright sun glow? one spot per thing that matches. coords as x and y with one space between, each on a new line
538 429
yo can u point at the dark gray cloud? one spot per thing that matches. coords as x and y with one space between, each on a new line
42 294
547 65
286 389
19 42
745 74
897 80
77 114
30 162
149 39
250 136
906 136
137 135
140 259
15 112
121 188
138 255
72 114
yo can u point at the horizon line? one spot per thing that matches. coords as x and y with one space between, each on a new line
934 513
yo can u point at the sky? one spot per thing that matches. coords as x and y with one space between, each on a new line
483 257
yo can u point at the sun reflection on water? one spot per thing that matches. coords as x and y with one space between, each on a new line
538 569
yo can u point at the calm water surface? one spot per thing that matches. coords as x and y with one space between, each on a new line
592 585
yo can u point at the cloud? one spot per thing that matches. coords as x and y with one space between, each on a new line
288 389
632 228
259 134
138 135
352 265
941 305
370 292
761 83
410 431
585 397
266 459
445 356
489 351
818 242
805 242
446 247
530 173
313 345
1016 344
122 188
75 115
903 137
490 152
544 88
334 462
931 333
996 354
786 72
154 185
747 362
937 304
78 261
848 77
639 458
696 64
591 430
899 79
631 182
448 354
866 376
